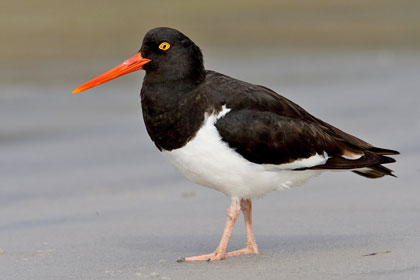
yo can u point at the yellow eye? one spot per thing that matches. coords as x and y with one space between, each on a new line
164 46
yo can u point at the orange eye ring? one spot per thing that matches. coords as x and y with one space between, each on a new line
164 46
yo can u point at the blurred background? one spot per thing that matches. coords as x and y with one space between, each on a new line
49 33
84 194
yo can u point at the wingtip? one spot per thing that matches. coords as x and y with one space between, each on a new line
381 151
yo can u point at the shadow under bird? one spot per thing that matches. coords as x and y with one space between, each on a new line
242 139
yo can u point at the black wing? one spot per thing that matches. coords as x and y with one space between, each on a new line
267 128
268 138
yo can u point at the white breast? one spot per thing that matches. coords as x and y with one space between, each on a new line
208 161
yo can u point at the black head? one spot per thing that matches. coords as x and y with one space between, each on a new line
166 54
173 56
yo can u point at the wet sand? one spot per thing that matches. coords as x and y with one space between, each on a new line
84 194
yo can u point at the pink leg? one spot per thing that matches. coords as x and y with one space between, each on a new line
232 215
250 245
220 252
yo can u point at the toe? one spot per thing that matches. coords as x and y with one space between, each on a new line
217 257
200 258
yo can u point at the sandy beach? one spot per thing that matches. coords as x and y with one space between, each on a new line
84 194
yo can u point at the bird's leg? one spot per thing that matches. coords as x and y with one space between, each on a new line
232 214
250 245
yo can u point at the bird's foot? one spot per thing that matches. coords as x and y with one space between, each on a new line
244 251
217 256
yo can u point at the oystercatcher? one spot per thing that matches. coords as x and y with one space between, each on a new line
242 139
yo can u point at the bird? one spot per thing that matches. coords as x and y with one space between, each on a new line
241 139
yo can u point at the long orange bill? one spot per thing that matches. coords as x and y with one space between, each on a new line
130 65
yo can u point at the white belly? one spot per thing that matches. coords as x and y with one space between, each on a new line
208 161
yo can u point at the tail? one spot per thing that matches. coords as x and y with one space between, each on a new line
369 165
374 172
378 171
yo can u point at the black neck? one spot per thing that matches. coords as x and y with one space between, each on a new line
172 111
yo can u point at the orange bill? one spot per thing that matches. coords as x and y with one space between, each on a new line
130 65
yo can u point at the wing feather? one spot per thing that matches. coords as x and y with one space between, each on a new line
268 138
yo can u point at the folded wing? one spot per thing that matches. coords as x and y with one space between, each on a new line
265 137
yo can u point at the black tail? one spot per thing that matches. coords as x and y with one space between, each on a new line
378 171
369 165
374 172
